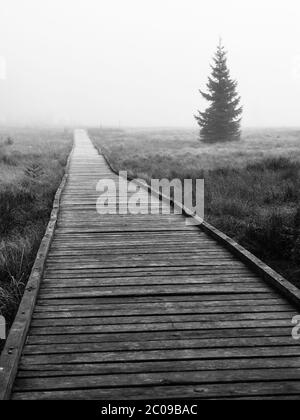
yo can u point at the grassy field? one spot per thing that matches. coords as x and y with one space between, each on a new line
32 164
252 186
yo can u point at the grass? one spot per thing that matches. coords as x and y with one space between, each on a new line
32 164
252 186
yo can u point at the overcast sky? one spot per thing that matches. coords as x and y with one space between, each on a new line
141 62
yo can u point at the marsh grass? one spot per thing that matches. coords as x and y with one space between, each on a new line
32 164
252 187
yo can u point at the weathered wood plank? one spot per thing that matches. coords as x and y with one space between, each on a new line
226 298
94 313
223 343
124 356
267 305
207 391
57 370
159 335
156 379
154 281
163 318
168 326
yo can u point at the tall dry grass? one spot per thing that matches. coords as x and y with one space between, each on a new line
32 164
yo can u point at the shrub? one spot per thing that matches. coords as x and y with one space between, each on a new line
9 141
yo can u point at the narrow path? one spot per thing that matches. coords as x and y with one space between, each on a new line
148 307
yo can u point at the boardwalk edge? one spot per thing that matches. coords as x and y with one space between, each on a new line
16 339
287 289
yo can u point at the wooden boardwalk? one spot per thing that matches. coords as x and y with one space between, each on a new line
143 307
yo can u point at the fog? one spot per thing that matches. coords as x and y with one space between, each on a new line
141 63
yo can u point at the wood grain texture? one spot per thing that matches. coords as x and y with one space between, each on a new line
146 306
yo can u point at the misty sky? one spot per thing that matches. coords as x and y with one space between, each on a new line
141 62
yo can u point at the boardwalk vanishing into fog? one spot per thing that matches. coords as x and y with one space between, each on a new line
144 306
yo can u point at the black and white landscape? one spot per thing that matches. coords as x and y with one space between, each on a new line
149 202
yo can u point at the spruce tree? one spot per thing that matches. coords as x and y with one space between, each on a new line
221 120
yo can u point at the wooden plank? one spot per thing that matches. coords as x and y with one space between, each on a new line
131 272
94 313
159 335
138 256
144 281
148 291
218 298
162 318
270 305
168 326
207 391
124 356
156 379
57 370
100 252
139 263
178 344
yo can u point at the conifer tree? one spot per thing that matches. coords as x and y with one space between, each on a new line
222 119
